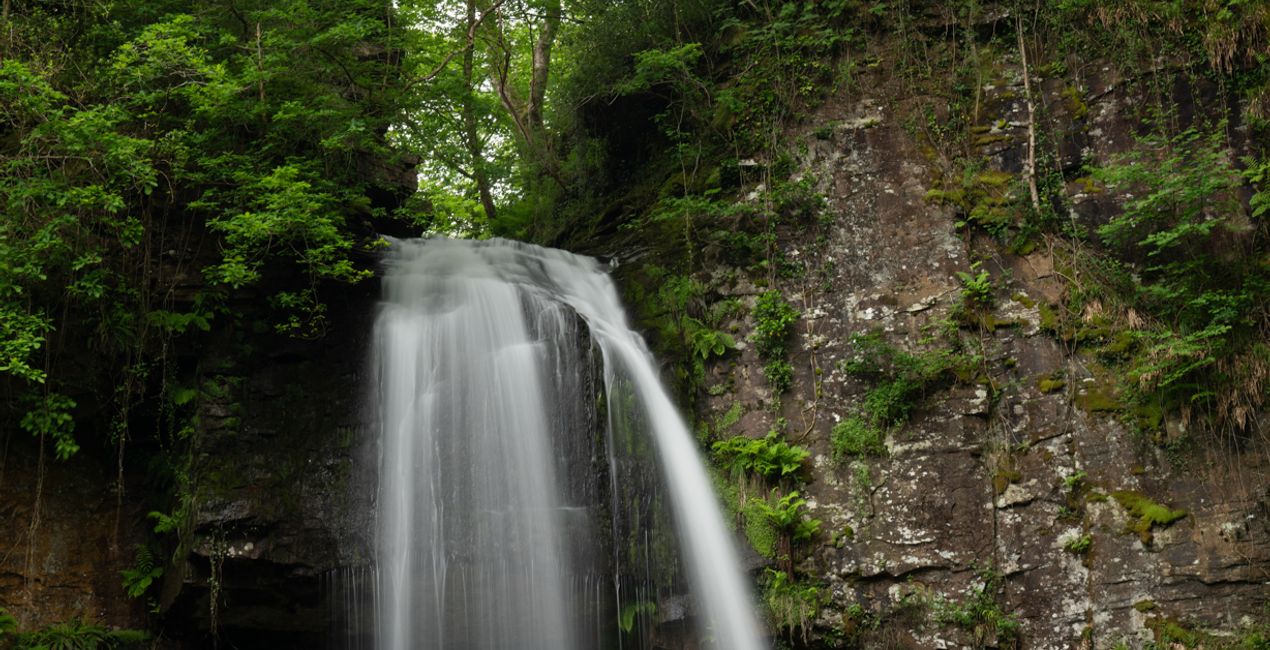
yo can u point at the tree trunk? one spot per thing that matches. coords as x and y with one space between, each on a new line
471 136
1029 168
542 68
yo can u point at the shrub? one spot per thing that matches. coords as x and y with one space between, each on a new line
779 374
769 457
856 437
774 319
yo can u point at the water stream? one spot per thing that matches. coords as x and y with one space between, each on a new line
489 531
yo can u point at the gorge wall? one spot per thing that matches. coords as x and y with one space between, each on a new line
1016 503
993 483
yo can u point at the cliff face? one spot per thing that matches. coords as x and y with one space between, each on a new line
281 485
1015 492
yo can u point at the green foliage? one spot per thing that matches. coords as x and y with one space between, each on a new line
1257 173
1192 256
774 320
979 614
285 213
900 378
976 290
769 457
672 66
779 374
706 342
675 310
144 571
706 430
785 514
792 605
145 144
854 436
164 523
1079 545
626 620
51 417
783 59
1074 481
76 634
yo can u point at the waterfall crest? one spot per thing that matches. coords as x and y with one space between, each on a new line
481 541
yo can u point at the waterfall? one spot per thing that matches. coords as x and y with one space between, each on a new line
484 540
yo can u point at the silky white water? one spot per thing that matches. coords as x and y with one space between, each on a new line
479 544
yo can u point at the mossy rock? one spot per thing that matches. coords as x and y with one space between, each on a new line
1098 397
758 530
1120 345
954 197
1147 417
1149 513
1023 299
1050 384
1075 103
1050 321
990 139
1003 478
1170 633
993 178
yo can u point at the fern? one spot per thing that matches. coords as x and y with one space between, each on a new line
143 573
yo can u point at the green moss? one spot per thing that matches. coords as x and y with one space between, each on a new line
990 323
1022 246
1049 318
993 178
758 529
987 139
1088 185
1147 417
954 197
840 538
1023 299
1003 478
1149 513
1095 497
1094 331
1098 396
1121 344
1050 384
1074 103
1144 605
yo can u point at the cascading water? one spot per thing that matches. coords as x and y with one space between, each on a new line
482 542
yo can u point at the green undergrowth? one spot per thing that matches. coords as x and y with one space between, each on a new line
73 634
979 614
1169 632
793 606
774 320
760 484
770 457
898 381
855 436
